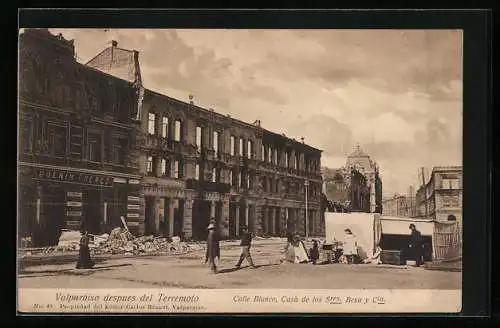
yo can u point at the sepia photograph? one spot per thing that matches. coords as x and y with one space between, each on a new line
238 170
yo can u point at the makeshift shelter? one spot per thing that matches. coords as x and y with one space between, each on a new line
396 235
442 240
365 226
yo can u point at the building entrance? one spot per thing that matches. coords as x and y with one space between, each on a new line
92 216
54 204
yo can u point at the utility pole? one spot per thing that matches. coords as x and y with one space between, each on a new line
425 193
306 183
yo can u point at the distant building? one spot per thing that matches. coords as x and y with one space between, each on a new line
357 185
440 198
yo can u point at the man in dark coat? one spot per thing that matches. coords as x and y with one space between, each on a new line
216 239
246 242
415 246
213 248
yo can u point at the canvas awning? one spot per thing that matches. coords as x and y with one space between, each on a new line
401 226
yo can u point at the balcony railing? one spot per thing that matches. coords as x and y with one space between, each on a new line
208 186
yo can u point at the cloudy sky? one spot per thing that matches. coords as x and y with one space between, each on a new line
398 93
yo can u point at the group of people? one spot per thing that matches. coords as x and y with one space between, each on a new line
213 247
349 248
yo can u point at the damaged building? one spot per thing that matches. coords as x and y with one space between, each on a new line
198 164
356 186
77 127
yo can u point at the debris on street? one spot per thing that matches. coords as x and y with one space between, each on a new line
118 241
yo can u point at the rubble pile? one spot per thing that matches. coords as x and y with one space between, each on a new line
118 241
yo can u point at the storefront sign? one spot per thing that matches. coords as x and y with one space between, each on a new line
74 194
73 213
133 181
133 198
74 204
73 177
120 180
132 215
132 207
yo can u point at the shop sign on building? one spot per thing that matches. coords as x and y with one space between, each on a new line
73 177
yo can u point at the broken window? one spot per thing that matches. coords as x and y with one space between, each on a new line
241 147
164 127
150 164
178 130
198 137
233 146
119 150
216 143
163 167
197 171
249 148
95 147
152 123
56 140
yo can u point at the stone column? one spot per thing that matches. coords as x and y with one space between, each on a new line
156 214
142 214
212 209
265 222
272 219
246 215
282 218
170 218
187 222
224 226
277 222
237 219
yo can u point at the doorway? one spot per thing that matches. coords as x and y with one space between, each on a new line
54 204
92 216
149 221
178 219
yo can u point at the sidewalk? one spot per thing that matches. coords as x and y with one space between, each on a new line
452 266
72 256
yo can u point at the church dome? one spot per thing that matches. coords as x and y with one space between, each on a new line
359 159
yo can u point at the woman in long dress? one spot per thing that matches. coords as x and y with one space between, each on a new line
84 259
350 246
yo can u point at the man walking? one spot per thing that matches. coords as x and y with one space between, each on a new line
246 242
212 247
416 250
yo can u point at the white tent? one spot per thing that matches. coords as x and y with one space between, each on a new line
365 226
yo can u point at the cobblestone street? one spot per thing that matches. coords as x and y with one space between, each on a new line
189 271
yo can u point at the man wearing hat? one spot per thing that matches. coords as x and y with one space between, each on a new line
416 246
213 249
246 242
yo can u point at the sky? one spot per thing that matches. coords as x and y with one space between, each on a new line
398 93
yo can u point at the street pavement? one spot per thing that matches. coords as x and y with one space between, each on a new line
189 271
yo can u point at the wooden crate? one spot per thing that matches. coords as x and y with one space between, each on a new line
391 257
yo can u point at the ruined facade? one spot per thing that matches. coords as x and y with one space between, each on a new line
77 164
197 164
357 185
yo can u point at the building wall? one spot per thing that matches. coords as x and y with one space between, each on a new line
400 206
442 194
77 157
247 189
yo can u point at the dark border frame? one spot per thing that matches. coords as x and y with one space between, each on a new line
476 26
